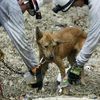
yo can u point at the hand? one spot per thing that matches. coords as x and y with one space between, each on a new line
34 69
23 6
20 2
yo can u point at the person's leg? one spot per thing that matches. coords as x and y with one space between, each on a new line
11 19
93 37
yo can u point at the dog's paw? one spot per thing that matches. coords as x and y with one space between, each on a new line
37 85
63 90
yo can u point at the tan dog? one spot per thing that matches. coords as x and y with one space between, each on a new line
55 47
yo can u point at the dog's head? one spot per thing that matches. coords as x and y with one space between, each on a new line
46 43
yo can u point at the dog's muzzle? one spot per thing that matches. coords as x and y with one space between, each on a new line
51 57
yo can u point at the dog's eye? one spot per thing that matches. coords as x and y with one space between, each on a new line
46 46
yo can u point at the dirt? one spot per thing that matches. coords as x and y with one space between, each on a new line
13 85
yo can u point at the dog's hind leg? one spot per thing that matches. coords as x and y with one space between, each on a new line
72 57
64 84
72 60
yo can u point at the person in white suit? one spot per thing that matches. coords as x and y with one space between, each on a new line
11 18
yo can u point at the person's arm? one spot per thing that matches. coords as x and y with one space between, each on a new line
23 5
12 20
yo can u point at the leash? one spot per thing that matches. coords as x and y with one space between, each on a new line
42 61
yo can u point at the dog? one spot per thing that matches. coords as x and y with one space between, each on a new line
54 47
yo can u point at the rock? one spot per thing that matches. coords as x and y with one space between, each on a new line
92 96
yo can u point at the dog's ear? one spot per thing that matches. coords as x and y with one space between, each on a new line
38 33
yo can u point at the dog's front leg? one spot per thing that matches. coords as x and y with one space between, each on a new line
65 87
60 64
40 76
44 69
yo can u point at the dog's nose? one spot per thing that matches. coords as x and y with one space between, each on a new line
51 57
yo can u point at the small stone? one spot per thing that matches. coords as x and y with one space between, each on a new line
92 96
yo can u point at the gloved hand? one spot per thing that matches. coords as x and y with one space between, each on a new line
74 74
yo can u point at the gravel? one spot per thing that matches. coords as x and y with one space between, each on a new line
14 86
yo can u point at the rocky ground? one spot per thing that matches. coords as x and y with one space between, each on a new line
15 87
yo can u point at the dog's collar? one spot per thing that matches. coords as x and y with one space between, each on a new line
42 60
